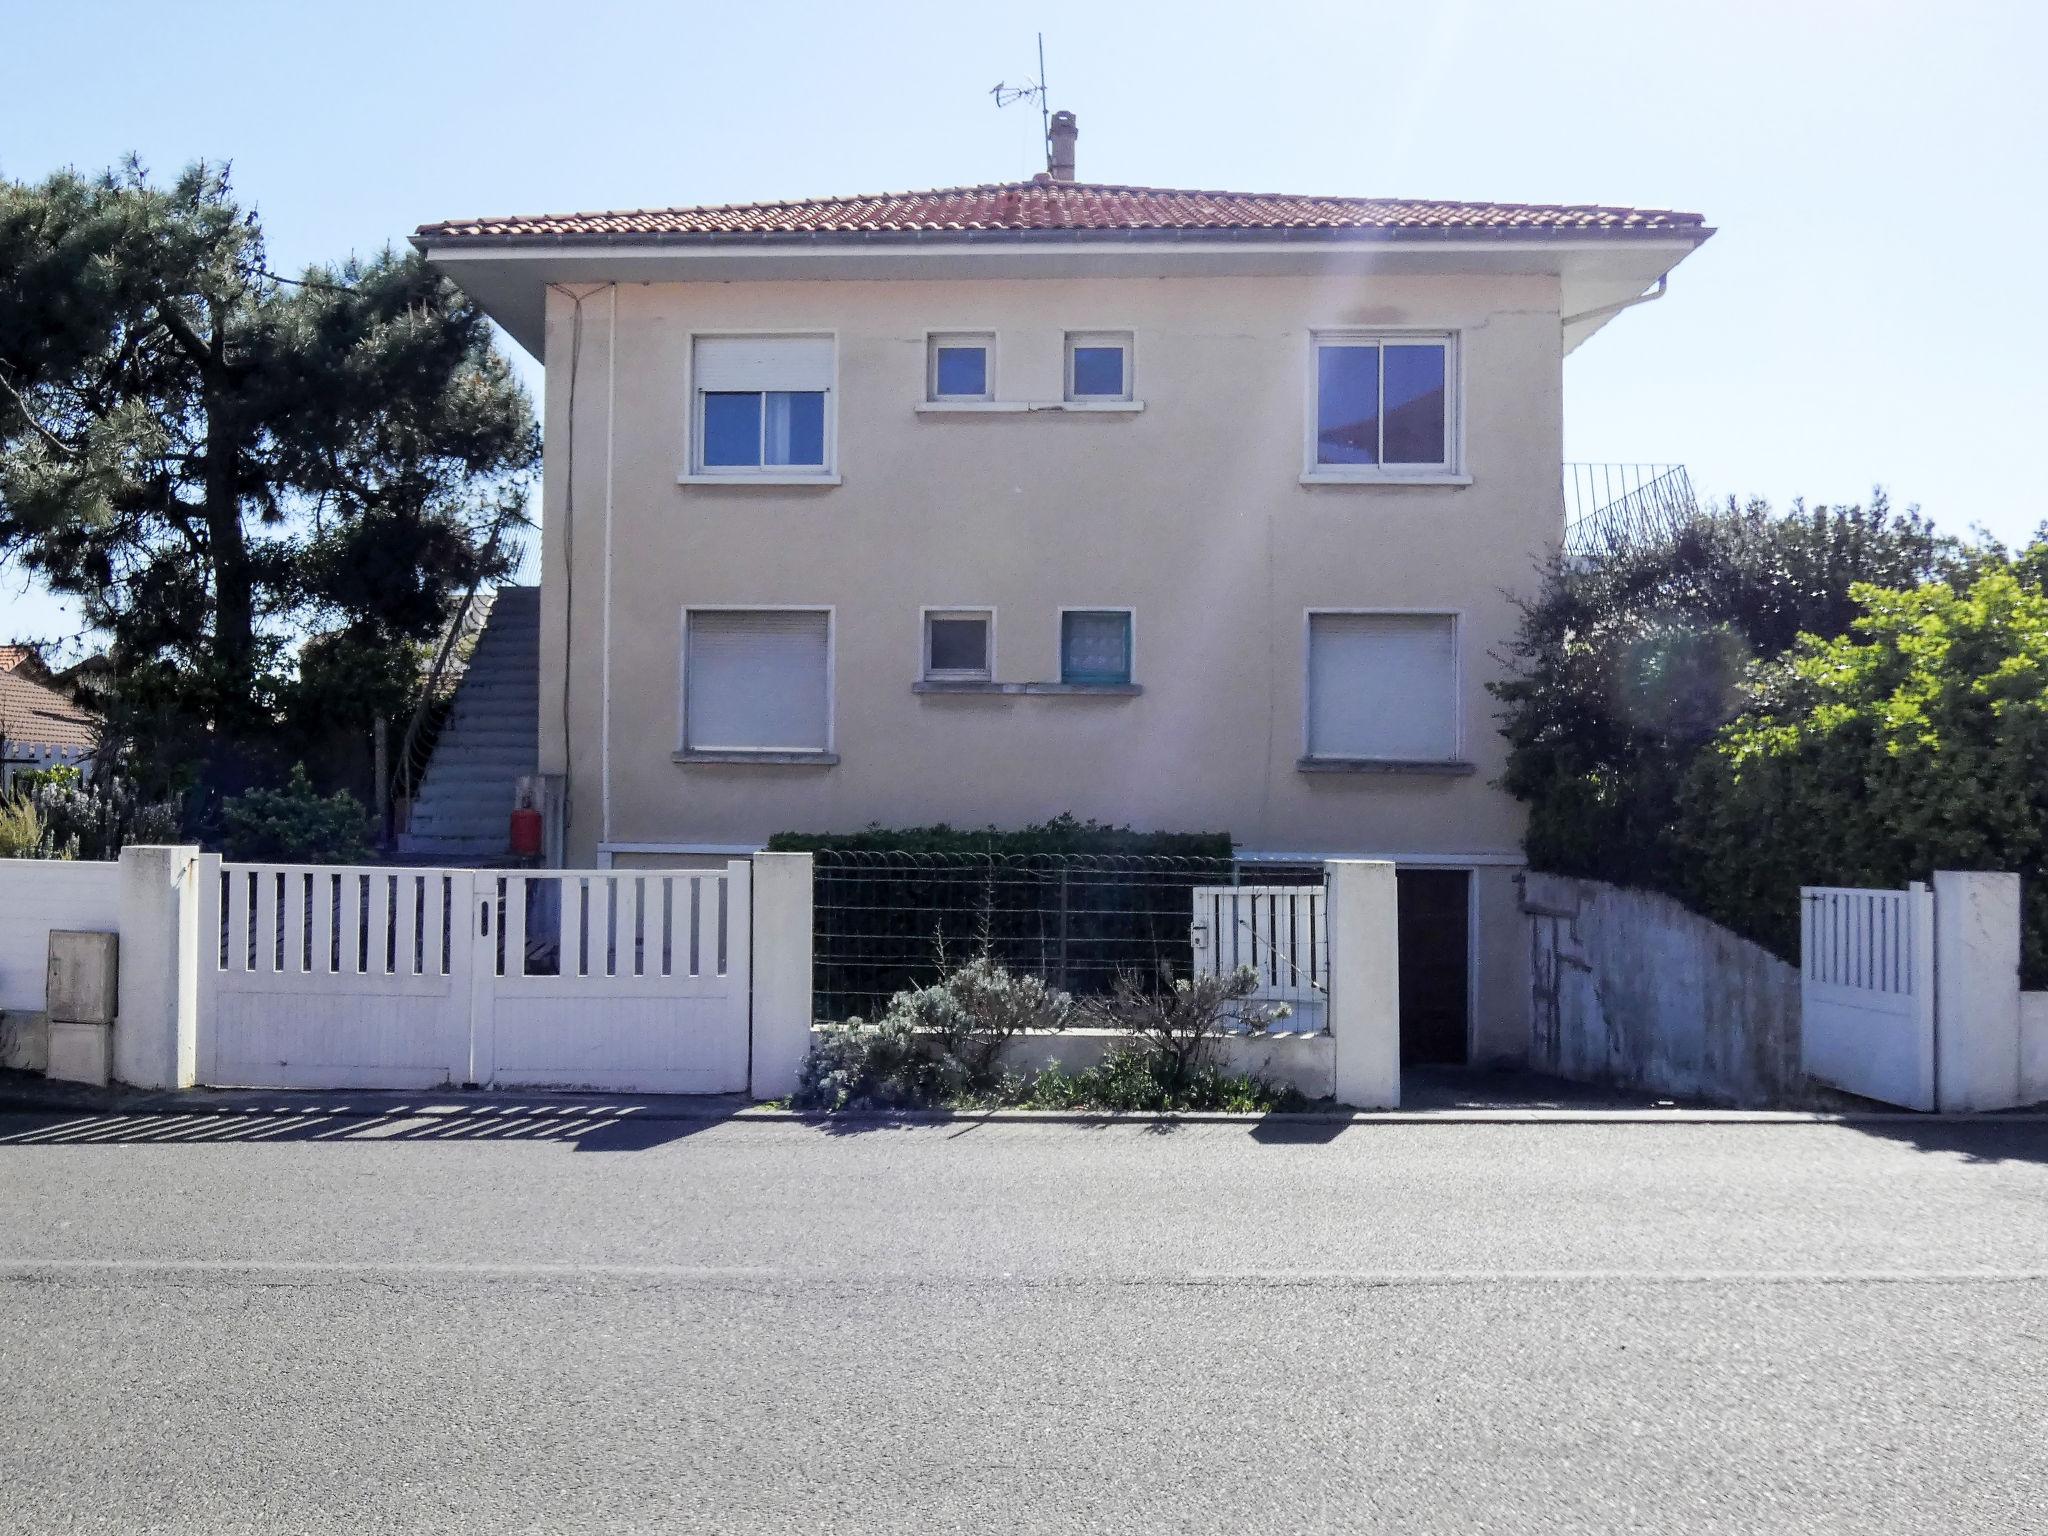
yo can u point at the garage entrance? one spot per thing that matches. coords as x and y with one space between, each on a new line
1434 920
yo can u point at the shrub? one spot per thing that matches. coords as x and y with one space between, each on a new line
1627 663
974 1011
1918 741
935 1045
856 1066
294 824
1178 1025
93 819
22 834
1132 1080
942 1046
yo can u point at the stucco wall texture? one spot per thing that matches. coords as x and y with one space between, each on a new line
1630 987
1190 512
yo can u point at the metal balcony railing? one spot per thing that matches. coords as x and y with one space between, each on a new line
1608 506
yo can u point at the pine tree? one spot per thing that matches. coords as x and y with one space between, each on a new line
223 464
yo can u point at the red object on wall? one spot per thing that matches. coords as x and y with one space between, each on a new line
526 828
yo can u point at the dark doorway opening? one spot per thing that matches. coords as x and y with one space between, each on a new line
1434 923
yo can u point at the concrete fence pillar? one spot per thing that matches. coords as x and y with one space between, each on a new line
782 971
156 1036
1976 990
1365 982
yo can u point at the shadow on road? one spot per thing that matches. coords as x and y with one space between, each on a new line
595 1128
1989 1140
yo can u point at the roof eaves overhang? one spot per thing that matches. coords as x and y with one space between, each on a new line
508 274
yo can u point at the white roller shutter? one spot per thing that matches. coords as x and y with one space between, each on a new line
793 363
757 681
1383 685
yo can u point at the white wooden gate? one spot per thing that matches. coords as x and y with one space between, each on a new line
322 977
621 980
1866 988
1281 932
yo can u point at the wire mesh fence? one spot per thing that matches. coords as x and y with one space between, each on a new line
885 922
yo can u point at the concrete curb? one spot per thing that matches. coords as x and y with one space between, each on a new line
371 1105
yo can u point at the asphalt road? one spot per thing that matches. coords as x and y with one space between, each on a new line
513 1323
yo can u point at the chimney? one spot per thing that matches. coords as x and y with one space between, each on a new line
1060 141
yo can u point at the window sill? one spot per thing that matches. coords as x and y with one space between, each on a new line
1329 477
757 479
1437 767
766 759
1031 690
1016 407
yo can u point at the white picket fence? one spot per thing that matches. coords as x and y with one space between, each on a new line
1281 932
412 978
1867 995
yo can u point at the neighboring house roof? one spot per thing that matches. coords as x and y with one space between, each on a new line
1055 206
26 660
35 716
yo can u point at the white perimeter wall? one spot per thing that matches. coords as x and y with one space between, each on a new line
2034 1047
1631 987
37 895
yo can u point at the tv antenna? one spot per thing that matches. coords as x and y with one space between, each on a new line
1034 90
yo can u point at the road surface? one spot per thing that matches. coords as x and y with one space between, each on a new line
512 1321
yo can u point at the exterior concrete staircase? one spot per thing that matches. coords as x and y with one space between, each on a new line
490 739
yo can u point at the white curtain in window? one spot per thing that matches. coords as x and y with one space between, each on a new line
756 681
1383 685
789 363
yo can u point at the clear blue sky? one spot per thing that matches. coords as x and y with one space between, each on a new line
1871 312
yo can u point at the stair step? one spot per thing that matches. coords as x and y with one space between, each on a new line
489 740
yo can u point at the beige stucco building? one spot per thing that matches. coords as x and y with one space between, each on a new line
1190 511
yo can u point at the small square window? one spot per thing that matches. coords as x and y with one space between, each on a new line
960 367
1098 365
1095 645
957 647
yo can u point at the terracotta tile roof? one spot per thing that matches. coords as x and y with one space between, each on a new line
12 656
35 716
1075 206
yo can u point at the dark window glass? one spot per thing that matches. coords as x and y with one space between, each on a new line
1098 371
796 428
732 430
962 371
1095 648
1415 405
959 645
1347 405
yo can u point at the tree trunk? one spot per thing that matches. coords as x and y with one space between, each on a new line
234 601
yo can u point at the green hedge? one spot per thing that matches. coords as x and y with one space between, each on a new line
1917 742
1061 835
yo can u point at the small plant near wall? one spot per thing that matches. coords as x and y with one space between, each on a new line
22 835
935 1045
942 1046
1179 1025
1129 1081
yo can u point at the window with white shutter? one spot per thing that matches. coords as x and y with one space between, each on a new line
1383 686
762 406
757 680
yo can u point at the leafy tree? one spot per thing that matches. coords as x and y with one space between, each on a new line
1918 741
219 461
1627 663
